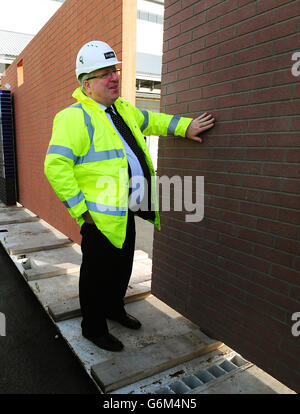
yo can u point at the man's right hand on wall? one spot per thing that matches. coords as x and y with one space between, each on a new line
199 125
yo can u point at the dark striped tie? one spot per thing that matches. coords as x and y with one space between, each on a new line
126 133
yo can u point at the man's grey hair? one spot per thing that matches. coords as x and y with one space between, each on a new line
84 77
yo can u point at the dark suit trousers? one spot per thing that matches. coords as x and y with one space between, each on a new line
104 276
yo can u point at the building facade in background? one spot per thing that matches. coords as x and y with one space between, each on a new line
149 40
236 272
42 80
11 45
149 45
49 59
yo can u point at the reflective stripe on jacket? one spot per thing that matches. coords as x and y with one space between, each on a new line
86 162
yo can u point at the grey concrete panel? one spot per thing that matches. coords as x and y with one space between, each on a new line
127 368
70 308
66 309
137 291
58 289
139 287
28 237
48 263
159 322
11 215
247 380
53 262
163 345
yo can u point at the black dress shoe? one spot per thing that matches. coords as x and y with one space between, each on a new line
128 321
107 342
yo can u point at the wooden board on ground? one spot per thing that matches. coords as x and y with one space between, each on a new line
49 263
12 215
129 367
70 308
137 291
66 309
56 289
27 237
64 260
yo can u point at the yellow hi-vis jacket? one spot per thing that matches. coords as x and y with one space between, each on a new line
86 163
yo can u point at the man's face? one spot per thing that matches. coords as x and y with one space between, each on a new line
104 90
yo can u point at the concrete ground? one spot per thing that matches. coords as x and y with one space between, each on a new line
252 380
35 359
249 380
38 355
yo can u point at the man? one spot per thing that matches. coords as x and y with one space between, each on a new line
92 159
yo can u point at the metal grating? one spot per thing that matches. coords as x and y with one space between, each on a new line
204 376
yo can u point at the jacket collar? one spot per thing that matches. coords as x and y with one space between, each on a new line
82 98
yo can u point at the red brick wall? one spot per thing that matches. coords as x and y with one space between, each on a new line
235 273
49 80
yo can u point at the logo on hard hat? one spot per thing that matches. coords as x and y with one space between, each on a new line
81 59
109 55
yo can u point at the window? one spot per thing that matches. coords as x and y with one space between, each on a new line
150 17
150 85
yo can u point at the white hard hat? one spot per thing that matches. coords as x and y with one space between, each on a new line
94 55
